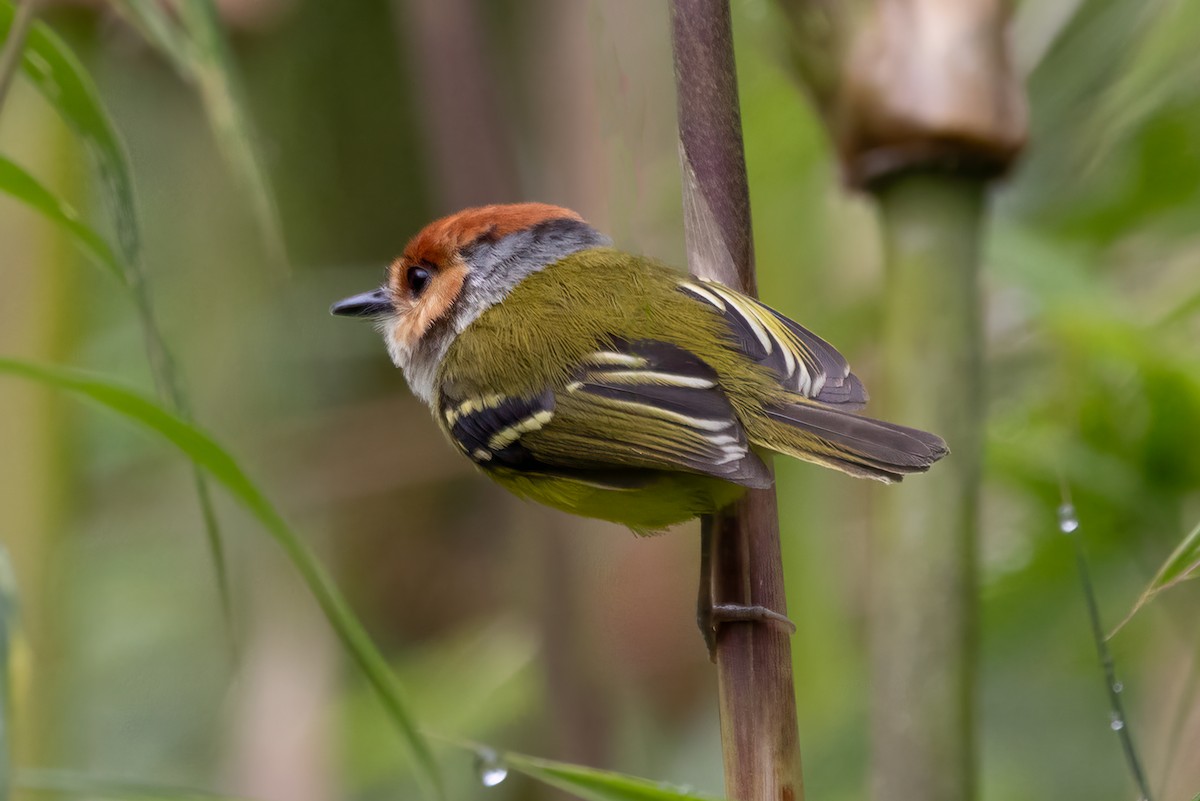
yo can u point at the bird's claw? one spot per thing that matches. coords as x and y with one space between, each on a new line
717 614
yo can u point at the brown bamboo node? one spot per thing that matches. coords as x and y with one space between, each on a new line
930 83
922 84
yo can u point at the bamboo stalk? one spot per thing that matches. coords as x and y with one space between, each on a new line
38 498
925 109
759 736
931 113
923 550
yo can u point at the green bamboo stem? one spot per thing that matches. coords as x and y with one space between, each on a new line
37 500
923 553
759 736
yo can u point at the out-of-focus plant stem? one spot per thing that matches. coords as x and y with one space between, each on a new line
464 127
931 111
170 389
36 497
754 665
77 101
923 550
38 322
14 45
925 109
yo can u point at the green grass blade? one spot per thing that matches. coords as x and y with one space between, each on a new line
192 40
1181 565
580 781
207 454
1160 68
157 27
24 187
225 101
591 784
64 82
71 784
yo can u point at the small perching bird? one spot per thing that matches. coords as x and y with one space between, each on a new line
608 384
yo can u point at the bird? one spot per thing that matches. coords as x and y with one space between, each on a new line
611 385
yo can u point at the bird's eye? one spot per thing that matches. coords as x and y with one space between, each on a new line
417 278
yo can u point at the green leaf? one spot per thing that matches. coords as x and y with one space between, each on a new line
207 454
1161 69
591 784
191 39
64 82
1181 565
68 783
24 187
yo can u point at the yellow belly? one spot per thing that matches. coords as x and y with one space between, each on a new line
668 499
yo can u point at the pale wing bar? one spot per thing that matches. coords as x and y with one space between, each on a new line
805 363
488 428
668 411
630 409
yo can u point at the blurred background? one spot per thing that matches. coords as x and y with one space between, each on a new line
508 623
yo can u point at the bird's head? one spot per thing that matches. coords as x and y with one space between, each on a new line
455 269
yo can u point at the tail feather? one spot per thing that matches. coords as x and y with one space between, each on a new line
860 446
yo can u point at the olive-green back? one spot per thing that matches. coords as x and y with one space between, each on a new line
551 321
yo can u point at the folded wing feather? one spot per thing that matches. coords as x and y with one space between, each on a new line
632 406
804 363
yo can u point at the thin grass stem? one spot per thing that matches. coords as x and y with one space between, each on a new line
1068 523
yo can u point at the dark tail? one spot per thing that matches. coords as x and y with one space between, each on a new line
856 445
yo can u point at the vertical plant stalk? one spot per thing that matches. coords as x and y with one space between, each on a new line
925 108
923 550
26 732
465 129
14 45
759 736
8 616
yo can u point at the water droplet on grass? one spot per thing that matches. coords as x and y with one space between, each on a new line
490 767
1067 521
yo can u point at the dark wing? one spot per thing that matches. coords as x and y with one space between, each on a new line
632 408
804 363
489 428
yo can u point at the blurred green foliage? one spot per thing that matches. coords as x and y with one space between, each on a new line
522 628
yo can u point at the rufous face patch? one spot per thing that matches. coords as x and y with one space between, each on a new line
428 278
423 292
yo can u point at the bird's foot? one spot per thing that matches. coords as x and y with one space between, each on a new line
715 615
